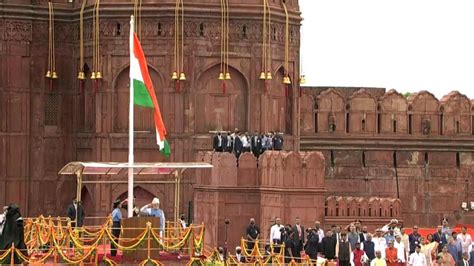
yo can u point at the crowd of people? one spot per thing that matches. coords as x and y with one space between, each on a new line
238 142
353 245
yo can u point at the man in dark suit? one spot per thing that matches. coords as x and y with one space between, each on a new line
75 212
298 237
256 143
218 142
278 141
440 238
363 234
238 146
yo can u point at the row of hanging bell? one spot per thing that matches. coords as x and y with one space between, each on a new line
51 74
268 76
182 76
94 75
222 76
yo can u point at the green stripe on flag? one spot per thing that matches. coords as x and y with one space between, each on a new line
140 94
166 151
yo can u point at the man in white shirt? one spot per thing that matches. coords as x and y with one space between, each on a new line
465 240
380 243
417 258
275 234
401 249
317 227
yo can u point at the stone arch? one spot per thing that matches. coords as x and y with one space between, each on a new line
216 110
87 200
456 114
424 111
330 206
363 108
142 196
143 117
331 111
393 113
279 103
291 167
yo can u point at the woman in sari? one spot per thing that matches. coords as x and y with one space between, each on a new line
444 258
428 249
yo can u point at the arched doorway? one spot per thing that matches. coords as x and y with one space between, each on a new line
279 111
86 200
216 110
143 197
143 117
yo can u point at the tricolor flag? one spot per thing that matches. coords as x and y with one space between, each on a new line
144 93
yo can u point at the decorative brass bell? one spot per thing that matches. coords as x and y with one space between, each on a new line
262 75
286 80
227 75
269 75
81 75
98 75
48 74
221 76
182 76
54 75
174 76
302 79
93 75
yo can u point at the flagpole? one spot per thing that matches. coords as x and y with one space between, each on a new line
130 128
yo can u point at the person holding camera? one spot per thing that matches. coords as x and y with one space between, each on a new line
312 243
290 246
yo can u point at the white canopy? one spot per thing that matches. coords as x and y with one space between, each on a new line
112 168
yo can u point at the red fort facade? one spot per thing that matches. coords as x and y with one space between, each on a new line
350 153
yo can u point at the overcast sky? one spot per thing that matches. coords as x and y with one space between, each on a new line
408 45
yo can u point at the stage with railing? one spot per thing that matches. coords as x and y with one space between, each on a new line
52 240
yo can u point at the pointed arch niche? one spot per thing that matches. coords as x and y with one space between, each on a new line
216 110
279 105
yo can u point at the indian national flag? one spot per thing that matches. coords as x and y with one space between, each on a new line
144 93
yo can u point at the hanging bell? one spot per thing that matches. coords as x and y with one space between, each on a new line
48 74
227 75
262 75
54 75
182 76
302 79
93 75
286 80
174 76
81 75
98 75
221 76
269 75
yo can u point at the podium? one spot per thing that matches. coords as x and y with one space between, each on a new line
133 227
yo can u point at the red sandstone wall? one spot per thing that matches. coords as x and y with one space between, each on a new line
423 142
283 184
41 130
